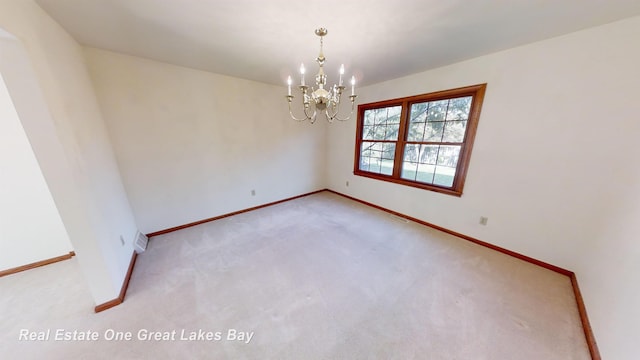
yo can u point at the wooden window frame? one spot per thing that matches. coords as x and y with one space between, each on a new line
477 94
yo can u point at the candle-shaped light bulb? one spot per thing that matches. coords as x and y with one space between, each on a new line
289 86
302 74
341 73
353 85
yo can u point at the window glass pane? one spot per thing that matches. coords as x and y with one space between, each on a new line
367 132
374 166
433 131
430 164
419 162
375 116
364 164
377 157
386 167
425 173
416 132
418 172
419 112
380 132
444 176
371 134
411 152
382 116
381 123
367 148
428 154
437 110
367 153
416 122
454 131
409 170
388 151
369 117
393 114
391 132
459 108
448 156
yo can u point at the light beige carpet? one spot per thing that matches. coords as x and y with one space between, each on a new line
320 277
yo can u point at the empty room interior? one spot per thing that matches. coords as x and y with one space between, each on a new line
319 180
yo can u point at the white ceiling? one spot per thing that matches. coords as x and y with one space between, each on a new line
377 40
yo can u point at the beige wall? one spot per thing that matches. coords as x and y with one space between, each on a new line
192 145
30 227
52 93
554 166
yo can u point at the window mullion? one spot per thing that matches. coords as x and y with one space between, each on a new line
402 139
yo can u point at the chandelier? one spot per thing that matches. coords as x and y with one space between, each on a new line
319 100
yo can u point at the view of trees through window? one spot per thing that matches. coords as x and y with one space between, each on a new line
435 136
379 135
427 136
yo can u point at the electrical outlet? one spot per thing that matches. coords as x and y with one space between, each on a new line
121 240
253 193
347 183
483 220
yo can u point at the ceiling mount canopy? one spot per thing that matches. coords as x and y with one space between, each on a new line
317 99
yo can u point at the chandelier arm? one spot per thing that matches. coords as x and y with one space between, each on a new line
328 116
311 118
295 118
335 115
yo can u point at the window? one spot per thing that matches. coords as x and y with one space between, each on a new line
423 141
